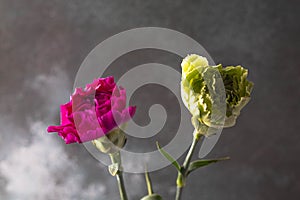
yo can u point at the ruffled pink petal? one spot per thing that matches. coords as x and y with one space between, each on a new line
65 111
106 84
118 100
109 121
128 113
67 132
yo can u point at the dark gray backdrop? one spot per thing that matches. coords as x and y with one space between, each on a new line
42 44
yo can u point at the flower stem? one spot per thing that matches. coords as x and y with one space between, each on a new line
181 179
116 159
178 193
121 186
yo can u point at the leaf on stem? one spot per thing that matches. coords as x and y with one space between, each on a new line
149 183
201 163
169 157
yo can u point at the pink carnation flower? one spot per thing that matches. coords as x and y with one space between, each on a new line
93 112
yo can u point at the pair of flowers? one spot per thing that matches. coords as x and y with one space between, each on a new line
101 107
100 110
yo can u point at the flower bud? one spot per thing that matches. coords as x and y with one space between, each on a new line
152 197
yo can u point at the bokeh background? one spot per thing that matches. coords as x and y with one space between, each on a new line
42 44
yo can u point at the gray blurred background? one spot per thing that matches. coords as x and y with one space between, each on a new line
42 44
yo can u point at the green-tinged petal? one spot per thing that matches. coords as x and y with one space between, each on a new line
238 90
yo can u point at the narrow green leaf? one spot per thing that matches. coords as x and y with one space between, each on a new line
148 182
169 157
201 163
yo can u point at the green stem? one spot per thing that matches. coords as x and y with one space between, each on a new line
181 179
188 158
116 159
178 193
121 186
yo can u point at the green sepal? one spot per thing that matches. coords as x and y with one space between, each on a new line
169 158
113 169
201 163
111 142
